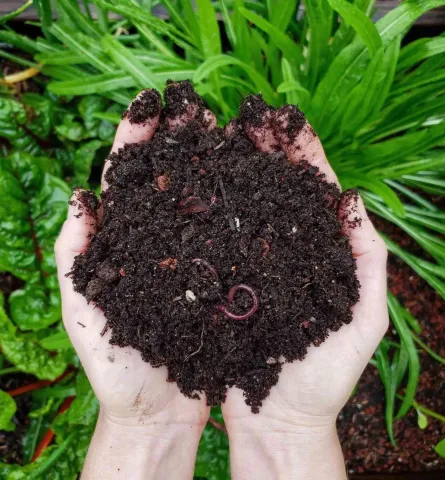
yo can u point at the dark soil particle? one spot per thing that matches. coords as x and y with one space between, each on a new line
253 110
290 120
147 105
167 261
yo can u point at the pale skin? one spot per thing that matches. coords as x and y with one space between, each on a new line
148 430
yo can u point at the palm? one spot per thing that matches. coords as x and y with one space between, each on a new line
127 387
314 390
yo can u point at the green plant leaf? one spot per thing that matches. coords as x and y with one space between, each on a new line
56 342
289 48
345 71
208 27
420 50
96 84
7 411
123 57
361 101
219 61
422 420
23 352
15 13
440 448
364 27
413 361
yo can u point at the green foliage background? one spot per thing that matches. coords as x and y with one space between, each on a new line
377 105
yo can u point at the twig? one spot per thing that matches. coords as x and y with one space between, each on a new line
200 346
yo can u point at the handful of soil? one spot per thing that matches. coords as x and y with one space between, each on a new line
216 260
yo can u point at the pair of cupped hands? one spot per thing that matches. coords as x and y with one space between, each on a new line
147 429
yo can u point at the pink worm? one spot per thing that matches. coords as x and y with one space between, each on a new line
230 298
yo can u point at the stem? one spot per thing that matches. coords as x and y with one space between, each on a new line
37 385
53 457
49 435
428 350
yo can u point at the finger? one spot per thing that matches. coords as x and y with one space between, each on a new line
299 141
182 103
139 123
74 239
370 253
257 119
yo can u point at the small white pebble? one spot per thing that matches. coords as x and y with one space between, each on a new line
271 361
190 296
312 319
237 223
294 229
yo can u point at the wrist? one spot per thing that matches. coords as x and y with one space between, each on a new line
148 450
270 449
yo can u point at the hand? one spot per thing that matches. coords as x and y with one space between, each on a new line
294 434
140 413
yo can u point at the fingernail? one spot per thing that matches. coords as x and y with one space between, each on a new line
178 96
254 111
144 107
289 121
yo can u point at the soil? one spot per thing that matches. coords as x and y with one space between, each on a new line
217 260
147 105
361 423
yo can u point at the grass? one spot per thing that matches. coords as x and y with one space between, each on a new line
377 104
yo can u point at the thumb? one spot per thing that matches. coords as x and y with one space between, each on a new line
75 238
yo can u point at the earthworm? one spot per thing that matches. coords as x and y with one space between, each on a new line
230 297
206 264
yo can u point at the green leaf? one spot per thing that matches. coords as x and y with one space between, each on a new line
41 114
7 411
440 448
72 10
414 364
123 57
15 13
319 18
289 48
360 103
386 193
422 420
386 375
364 27
56 342
219 61
345 71
83 159
96 84
23 352
45 14
82 412
420 50
208 27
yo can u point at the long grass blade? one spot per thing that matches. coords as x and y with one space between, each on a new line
124 57
364 27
